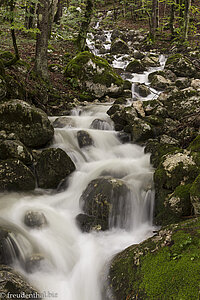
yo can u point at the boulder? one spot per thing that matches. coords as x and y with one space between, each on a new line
118 46
140 130
181 66
195 195
84 139
151 61
57 164
142 90
31 124
35 219
160 83
15 149
107 199
63 122
94 75
183 82
15 176
90 223
155 269
14 284
33 263
135 66
100 124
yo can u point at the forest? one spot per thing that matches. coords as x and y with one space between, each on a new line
100 149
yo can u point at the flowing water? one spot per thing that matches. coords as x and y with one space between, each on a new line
75 263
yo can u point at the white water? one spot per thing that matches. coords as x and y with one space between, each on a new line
75 262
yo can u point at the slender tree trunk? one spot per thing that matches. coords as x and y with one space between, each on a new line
41 61
59 12
12 7
186 18
52 12
30 19
154 19
171 21
81 39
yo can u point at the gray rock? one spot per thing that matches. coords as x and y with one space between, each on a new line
84 139
35 219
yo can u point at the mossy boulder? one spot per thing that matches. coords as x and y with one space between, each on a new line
2 69
195 144
15 176
151 61
107 199
142 90
166 266
94 75
31 124
118 46
140 130
15 284
195 195
15 149
183 82
181 66
135 66
57 164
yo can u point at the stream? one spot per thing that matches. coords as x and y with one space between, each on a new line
76 263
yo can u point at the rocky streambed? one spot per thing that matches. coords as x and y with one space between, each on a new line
76 190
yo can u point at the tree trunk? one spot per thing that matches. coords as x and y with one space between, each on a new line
41 61
186 18
59 12
171 21
30 13
12 7
81 39
154 19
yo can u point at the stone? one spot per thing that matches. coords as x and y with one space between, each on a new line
15 176
84 139
57 164
31 124
89 223
142 90
181 66
100 124
160 83
94 75
62 122
183 82
33 263
16 150
135 66
35 219
3 88
118 46
107 199
195 195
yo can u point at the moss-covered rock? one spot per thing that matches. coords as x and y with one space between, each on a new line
107 199
165 266
118 46
15 284
15 149
94 74
135 66
3 88
142 90
57 164
195 195
2 69
140 130
90 223
181 66
195 144
28 122
15 176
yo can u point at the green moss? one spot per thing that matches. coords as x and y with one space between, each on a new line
163 267
173 58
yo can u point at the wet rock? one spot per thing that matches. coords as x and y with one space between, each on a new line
31 124
124 137
135 66
63 122
140 130
183 82
181 66
33 263
160 83
15 176
135 273
90 223
118 46
14 284
15 149
142 90
167 74
107 199
84 139
138 54
35 219
196 84
100 124
151 61
94 75
57 164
